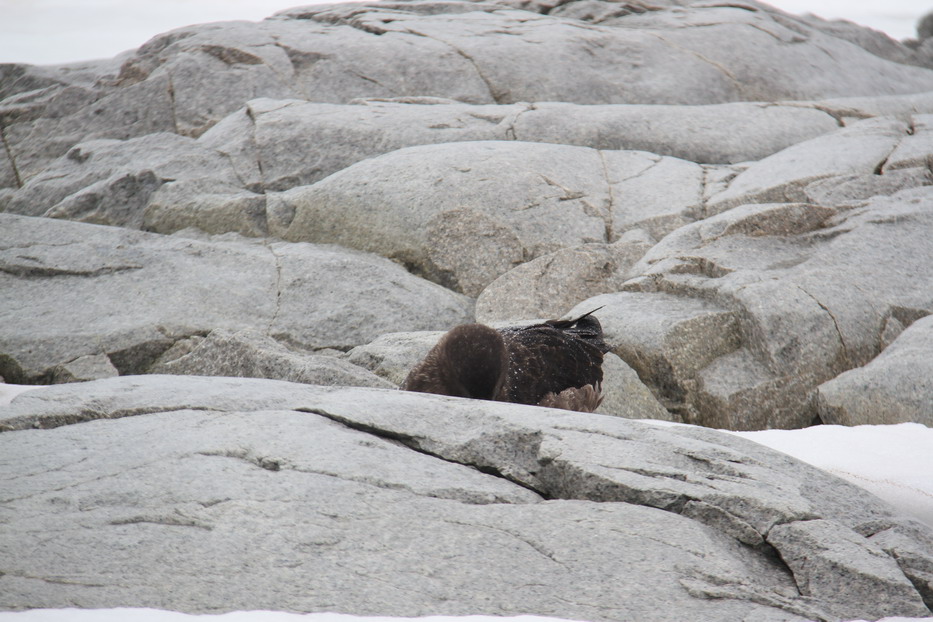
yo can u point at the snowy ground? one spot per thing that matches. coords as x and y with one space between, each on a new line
61 31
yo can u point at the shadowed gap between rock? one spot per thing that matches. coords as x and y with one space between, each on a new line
9 155
171 99
879 170
412 443
48 422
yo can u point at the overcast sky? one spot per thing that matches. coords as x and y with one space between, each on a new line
58 31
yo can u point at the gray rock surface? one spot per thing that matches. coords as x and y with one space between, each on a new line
894 387
861 148
189 79
552 283
277 134
434 201
111 182
736 319
468 500
250 354
73 290
754 219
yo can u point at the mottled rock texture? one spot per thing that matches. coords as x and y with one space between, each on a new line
229 246
389 502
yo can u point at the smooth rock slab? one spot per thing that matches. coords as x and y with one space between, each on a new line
188 80
894 387
861 148
74 290
549 285
425 206
270 140
249 354
111 182
620 536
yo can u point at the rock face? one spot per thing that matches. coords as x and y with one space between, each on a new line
73 290
894 387
469 500
249 354
736 319
235 241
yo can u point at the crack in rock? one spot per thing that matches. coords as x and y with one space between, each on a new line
568 194
496 98
735 81
10 157
175 520
536 547
251 115
277 286
607 218
86 414
174 106
280 464
911 128
842 341
511 120
52 580
415 444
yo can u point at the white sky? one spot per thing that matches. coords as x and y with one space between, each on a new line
59 31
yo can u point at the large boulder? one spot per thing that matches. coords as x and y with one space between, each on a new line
453 504
894 387
550 284
73 290
736 320
250 354
187 80
270 140
111 182
449 212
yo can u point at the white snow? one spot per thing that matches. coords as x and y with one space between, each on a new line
895 462
9 391
64 31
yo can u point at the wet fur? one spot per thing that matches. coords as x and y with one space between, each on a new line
556 364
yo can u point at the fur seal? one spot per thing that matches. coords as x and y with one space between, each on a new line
557 364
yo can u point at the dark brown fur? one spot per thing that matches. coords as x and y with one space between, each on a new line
557 364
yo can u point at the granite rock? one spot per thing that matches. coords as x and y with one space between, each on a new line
552 283
75 290
423 205
250 354
429 487
738 318
894 387
189 79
